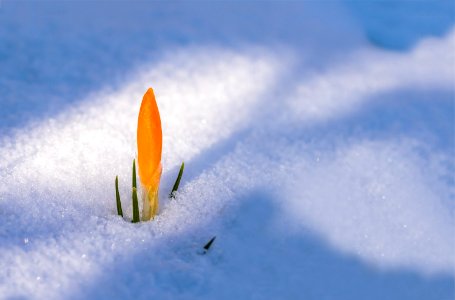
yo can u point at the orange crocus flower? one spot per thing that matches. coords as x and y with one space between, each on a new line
149 146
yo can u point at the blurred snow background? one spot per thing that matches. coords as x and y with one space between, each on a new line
318 139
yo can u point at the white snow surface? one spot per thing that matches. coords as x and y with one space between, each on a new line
320 180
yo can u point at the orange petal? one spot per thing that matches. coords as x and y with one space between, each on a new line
149 145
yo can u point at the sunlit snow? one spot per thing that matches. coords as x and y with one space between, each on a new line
321 180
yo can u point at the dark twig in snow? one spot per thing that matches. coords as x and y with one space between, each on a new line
209 244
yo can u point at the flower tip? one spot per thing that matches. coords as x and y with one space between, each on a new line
149 147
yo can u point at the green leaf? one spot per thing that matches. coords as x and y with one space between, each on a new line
135 201
117 196
135 206
134 174
177 181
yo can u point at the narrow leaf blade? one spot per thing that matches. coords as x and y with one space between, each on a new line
117 197
134 196
134 174
177 181
135 206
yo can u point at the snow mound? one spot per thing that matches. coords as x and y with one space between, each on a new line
289 194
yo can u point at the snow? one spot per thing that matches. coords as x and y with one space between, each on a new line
345 86
321 159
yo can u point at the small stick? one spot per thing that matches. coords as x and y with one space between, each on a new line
209 244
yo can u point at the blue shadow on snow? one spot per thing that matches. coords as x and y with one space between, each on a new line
251 259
